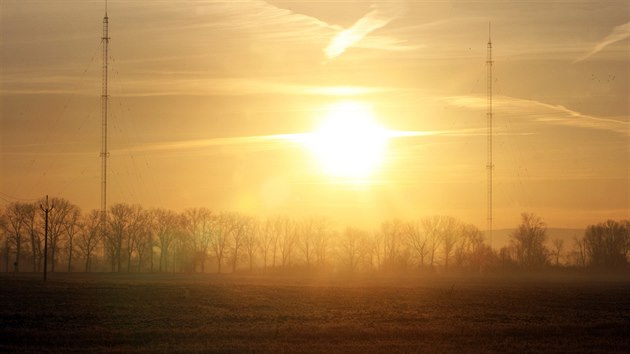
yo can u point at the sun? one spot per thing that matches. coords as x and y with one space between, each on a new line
349 143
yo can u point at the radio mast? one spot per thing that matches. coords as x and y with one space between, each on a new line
104 102
490 165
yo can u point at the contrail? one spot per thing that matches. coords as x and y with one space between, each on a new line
380 16
619 33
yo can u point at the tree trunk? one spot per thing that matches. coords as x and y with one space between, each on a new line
6 254
87 262
265 261
70 259
119 259
70 248
52 255
34 252
17 253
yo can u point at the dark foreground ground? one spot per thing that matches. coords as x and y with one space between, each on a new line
229 314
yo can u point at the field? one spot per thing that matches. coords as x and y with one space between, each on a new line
237 314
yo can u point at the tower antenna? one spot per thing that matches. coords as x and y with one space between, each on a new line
104 104
490 165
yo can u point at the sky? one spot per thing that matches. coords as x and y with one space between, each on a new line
225 104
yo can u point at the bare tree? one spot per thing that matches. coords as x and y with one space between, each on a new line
57 220
471 251
183 250
89 237
33 228
136 232
448 229
150 238
120 218
144 238
430 226
626 230
377 242
392 234
167 225
287 233
528 242
578 255
221 240
268 242
352 248
606 244
463 247
251 241
417 241
321 241
306 240
558 245
5 237
16 216
238 230
28 225
201 226
72 227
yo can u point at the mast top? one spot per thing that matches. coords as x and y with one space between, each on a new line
489 32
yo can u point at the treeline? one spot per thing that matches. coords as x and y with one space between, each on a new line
135 239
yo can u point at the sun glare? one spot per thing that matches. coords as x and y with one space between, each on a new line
349 143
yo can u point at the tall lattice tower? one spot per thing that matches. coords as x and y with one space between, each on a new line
489 165
104 103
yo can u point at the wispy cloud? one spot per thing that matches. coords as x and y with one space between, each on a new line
618 33
380 15
227 36
542 112
184 83
272 141
265 140
241 87
262 19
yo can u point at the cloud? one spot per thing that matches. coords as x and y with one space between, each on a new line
618 33
541 112
229 86
261 19
273 141
182 83
380 16
228 44
263 140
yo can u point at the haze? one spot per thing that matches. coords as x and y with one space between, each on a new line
213 103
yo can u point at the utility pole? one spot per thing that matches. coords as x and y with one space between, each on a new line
46 210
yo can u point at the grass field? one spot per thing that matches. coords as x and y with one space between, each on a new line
240 314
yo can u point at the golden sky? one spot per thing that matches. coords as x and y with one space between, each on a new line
228 104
